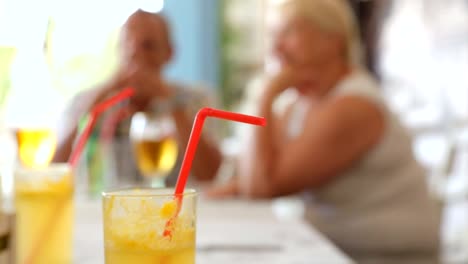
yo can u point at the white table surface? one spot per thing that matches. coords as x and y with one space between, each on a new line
227 232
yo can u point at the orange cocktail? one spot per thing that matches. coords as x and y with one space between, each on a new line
134 222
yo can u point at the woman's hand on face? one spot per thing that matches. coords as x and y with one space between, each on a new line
282 80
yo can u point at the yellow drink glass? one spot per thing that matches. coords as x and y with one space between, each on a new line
134 222
44 214
36 146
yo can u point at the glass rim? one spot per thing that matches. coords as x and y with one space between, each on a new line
32 128
125 193
59 167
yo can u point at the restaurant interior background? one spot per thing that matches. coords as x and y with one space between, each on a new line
52 49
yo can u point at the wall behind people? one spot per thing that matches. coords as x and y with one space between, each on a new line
195 31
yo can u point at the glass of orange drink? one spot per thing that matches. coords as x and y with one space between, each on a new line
44 214
135 221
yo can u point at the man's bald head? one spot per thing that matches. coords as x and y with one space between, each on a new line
155 21
145 40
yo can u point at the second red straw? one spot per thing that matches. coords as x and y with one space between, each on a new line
95 112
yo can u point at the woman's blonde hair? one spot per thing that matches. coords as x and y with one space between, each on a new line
334 16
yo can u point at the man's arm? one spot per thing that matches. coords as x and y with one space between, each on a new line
208 157
67 128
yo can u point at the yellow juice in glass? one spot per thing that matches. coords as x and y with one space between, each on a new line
156 158
134 222
44 215
36 146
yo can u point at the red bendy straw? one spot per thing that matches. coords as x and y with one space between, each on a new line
192 147
195 137
95 112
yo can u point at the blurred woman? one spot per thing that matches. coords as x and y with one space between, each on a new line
337 144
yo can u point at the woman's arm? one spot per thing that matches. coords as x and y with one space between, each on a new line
336 136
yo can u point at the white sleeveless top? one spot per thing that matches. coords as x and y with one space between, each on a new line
381 206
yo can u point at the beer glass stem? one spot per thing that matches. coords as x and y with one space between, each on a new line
158 182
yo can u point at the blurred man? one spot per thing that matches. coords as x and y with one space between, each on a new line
145 49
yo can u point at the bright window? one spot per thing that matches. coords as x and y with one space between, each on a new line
52 49
424 64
